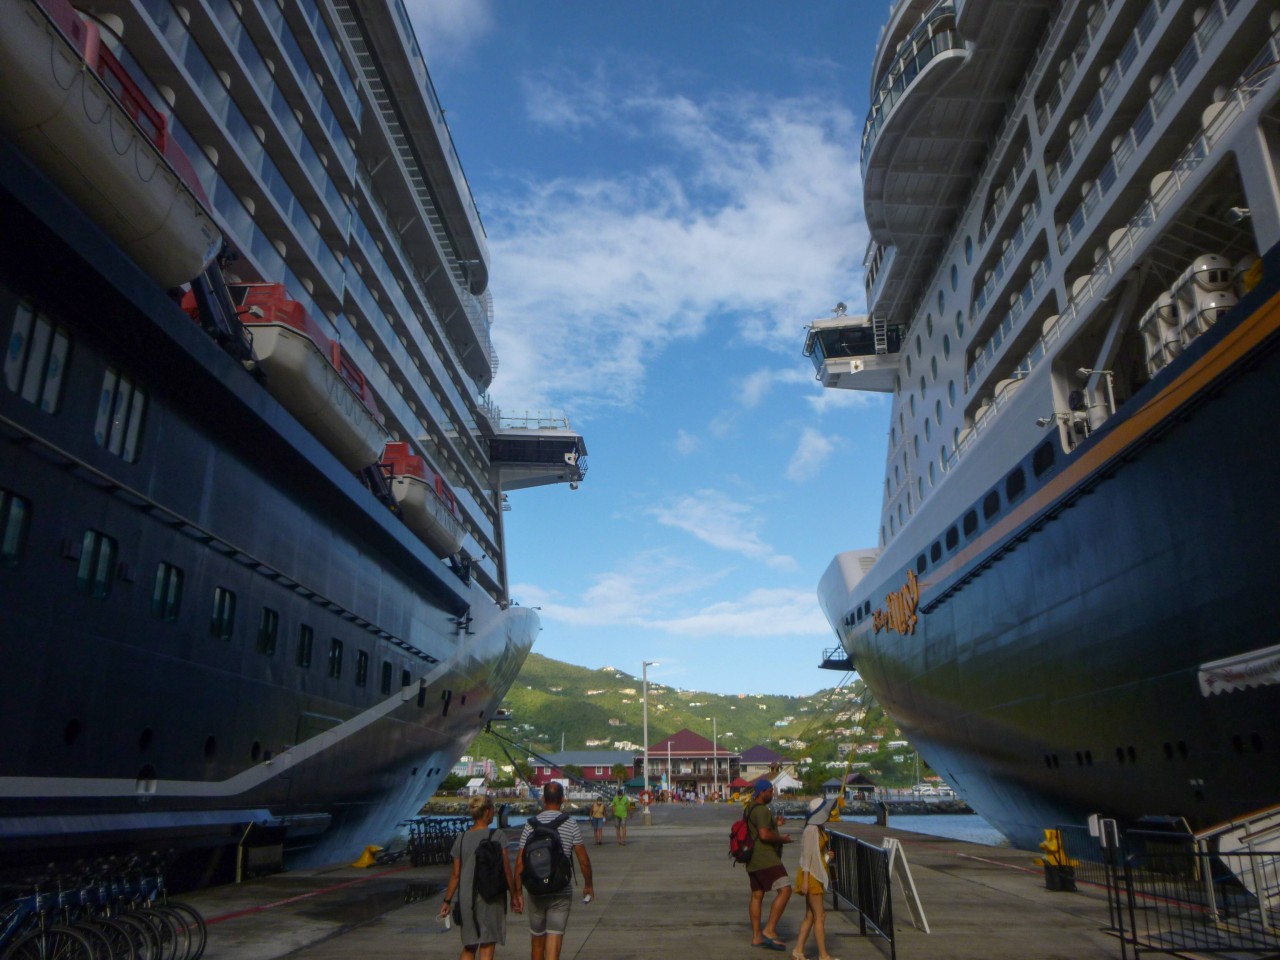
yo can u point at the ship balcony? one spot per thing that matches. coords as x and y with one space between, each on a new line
855 353
932 42
536 451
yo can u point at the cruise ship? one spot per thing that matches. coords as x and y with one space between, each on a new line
1072 304
253 597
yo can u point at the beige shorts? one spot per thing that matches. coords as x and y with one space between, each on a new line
549 914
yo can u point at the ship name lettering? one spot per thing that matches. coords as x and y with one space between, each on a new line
899 613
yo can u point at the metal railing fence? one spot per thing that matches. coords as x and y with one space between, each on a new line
859 873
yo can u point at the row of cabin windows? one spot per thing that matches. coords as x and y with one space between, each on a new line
1015 485
35 366
97 571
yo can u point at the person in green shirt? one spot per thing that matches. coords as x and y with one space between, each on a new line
621 813
765 870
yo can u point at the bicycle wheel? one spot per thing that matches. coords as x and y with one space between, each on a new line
122 938
178 931
195 927
98 940
146 945
166 936
51 943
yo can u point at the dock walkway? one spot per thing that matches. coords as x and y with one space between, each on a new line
670 892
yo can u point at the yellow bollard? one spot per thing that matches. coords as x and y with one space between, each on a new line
368 858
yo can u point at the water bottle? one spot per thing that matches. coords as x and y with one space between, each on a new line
446 923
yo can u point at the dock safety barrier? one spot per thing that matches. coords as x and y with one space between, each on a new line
860 882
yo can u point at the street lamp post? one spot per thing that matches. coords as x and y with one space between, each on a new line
715 759
644 671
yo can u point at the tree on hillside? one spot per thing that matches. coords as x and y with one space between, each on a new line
620 772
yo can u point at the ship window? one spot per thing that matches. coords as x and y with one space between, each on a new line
922 388
306 644
1015 485
946 346
920 488
953 538
386 676
951 393
919 346
960 324
932 475
36 358
968 249
166 598
222 623
404 678
942 457
14 517
921 563
893 437
955 277
935 552
1043 458
97 564
937 411
941 301
970 523
915 444
990 505
928 429
911 404
908 365
335 657
268 630
120 410
362 668
928 324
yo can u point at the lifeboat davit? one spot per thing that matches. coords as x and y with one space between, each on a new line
429 507
69 105
310 374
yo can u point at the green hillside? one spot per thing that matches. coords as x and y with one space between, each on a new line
554 703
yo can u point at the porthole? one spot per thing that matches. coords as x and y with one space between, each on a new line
1042 460
960 324
1015 485
951 393
968 250
923 388
915 444
933 367
946 346
953 538
897 475
935 552
932 475
920 487
919 346
921 564
928 429
893 437
899 514
911 403
908 365
941 301
911 508
955 277
928 324
942 457
937 411
990 505
970 523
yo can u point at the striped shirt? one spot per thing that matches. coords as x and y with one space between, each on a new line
570 833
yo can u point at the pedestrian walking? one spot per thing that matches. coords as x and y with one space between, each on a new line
812 878
765 870
481 922
621 814
598 813
549 843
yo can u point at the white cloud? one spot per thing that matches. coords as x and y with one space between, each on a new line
812 451
834 399
761 613
448 29
752 211
686 443
723 523
758 385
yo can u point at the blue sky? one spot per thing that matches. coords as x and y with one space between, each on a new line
671 192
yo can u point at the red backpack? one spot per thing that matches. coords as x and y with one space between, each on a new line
741 843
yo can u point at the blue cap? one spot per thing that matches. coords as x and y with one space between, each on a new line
762 785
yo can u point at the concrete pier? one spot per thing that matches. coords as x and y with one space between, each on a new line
671 892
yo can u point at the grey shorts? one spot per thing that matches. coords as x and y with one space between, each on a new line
549 914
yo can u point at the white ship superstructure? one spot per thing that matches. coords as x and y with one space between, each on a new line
1063 199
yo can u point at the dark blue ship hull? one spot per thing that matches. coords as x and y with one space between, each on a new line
1053 669
131 724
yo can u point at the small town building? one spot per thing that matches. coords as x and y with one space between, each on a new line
596 766
759 761
690 763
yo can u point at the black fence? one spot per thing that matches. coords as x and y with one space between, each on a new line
860 879
1169 894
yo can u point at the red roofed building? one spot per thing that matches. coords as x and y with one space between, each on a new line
685 759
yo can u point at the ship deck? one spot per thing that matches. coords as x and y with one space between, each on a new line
672 891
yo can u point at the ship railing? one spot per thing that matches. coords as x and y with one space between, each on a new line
1142 126
1000 197
1072 63
1025 229
1004 330
1123 249
929 39
1082 135
537 420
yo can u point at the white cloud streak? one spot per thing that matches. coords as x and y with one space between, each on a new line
753 212
723 523
812 451
448 29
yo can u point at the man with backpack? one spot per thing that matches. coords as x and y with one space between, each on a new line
765 868
544 865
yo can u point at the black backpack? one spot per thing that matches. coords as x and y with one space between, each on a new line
546 868
490 880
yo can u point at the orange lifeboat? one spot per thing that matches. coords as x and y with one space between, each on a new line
72 108
429 506
310 374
